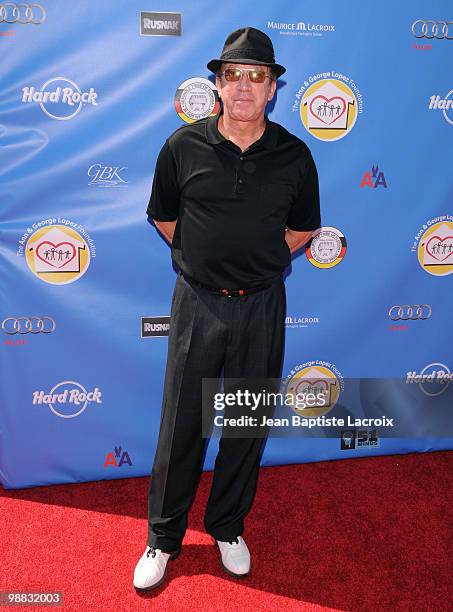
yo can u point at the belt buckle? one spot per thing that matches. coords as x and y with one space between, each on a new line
231 292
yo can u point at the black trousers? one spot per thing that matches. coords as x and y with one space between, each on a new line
244 336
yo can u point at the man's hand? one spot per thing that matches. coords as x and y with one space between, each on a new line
296 240
167 229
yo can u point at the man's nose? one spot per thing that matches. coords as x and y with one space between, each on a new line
244 81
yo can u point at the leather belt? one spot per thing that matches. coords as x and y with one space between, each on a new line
227 292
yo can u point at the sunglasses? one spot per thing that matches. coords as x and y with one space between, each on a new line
254 75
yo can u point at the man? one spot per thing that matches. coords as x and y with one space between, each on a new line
235 195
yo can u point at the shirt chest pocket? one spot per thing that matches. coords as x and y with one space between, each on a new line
275 202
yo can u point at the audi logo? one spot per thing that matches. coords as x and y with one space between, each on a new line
21 13
414 312
28 325
432 29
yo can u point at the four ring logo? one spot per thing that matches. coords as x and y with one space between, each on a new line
21 13
432 29
28 325
414 312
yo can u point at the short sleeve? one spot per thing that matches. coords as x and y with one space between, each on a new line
305 214
164 201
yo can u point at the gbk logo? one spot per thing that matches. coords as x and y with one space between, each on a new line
106 176
374 179
117 458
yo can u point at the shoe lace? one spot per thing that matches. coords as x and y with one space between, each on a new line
151 551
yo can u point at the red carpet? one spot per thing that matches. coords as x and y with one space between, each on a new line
371 534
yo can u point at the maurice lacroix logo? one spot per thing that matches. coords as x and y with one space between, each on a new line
301 28
67 399
106 176
294 321
60 98
155 326
160 24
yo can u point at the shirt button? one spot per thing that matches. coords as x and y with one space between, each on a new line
241 181
241 158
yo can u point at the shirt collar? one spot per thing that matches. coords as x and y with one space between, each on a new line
213 135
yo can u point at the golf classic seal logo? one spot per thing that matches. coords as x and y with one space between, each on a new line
57 251
195 99
329 104
434 246
59 98
322 379
326 248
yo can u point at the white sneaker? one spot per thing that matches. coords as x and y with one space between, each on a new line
235 556
151 569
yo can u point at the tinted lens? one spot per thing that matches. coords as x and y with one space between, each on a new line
257 76
232 74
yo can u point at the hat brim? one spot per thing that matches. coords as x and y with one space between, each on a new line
215 64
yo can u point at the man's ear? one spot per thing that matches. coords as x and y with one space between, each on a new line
272 91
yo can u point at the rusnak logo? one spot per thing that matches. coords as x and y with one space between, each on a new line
155 326
118 458
60 98
160 24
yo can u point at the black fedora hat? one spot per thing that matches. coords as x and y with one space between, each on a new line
248 46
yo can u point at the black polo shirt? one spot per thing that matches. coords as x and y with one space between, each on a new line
232 207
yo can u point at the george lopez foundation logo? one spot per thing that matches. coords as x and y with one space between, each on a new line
57 251
67 399
434 246
329 104
160 24
374 179
117 459
320 378
59 98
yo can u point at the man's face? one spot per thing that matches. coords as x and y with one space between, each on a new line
244 100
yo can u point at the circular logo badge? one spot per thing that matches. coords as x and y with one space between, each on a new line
437 380
196 99
326 248
314 381
435 249
60 98
57 254
328 109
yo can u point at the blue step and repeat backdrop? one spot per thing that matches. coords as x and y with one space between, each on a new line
88 94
